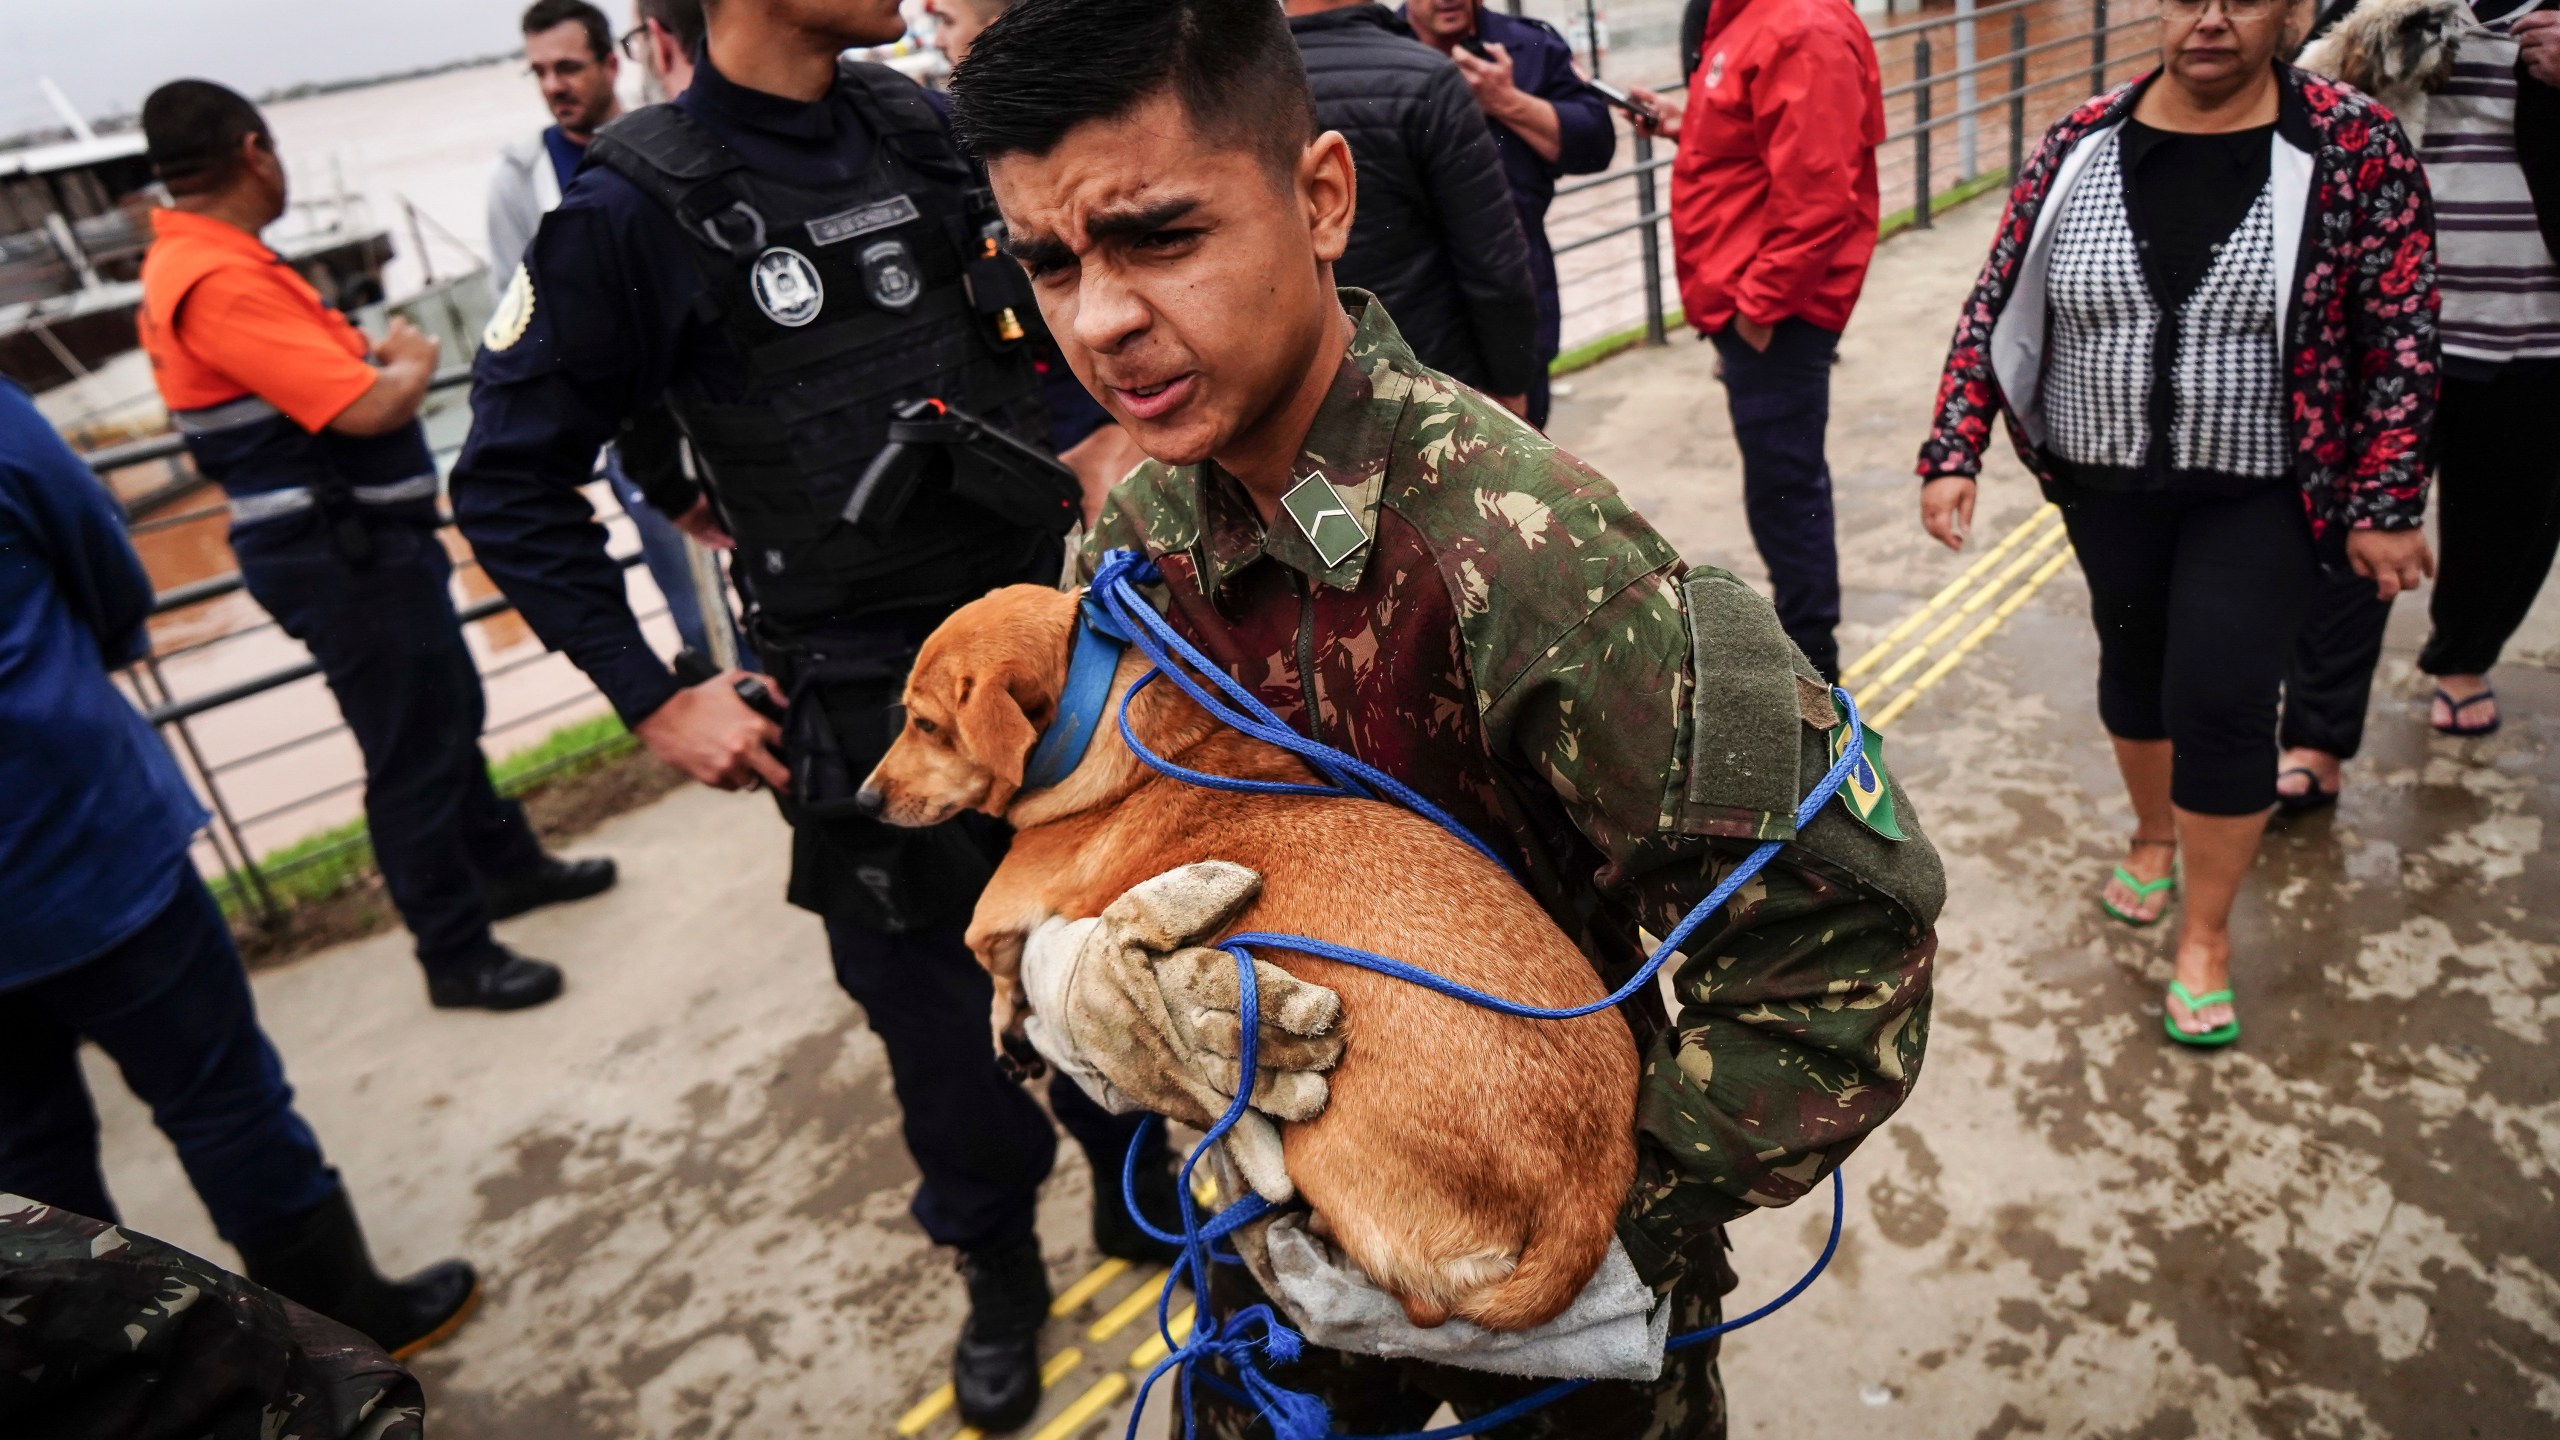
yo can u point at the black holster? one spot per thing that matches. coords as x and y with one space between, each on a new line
842 714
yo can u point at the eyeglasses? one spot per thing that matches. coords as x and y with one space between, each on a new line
2231 9
634 43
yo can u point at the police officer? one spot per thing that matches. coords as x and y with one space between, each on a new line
333 519
780 256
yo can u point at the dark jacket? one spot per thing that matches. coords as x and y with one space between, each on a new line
1436 239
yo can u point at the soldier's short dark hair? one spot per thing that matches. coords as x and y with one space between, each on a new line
542 15
1047 66
192 131
679 18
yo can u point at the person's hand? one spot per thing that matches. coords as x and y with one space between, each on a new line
405 344
703 525
710 734
2537 38
1946 509
1753 333
1490 79
1142 1016
1516 404
2395 561
1667 111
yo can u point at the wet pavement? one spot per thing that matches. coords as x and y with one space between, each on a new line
686 1182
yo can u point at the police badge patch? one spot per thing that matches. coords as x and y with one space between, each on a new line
515 311
786 287
889 272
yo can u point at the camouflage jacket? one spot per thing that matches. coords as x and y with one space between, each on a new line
105 1333
1511 639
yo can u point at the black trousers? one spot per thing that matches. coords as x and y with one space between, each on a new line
2197 601
2498 518
981 1143
2497 509
387 642
170 1005
1781 404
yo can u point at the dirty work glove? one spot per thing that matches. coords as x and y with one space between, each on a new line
1143 1018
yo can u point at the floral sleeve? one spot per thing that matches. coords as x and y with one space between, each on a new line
2388 305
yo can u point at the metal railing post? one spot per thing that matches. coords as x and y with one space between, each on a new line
1920 70
248 883
1651 238
2017 93
2097 46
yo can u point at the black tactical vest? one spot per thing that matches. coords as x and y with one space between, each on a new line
846 300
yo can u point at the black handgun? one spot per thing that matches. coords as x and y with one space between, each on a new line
692 667
931 442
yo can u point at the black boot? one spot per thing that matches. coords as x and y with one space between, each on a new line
995 1369
548 883
321 1262
1159 1199
494 979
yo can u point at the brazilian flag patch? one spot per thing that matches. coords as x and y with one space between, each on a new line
1865 792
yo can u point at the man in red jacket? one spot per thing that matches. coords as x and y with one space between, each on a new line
1773 220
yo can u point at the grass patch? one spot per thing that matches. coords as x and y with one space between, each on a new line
330 862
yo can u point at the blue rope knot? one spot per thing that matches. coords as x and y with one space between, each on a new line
1292 1415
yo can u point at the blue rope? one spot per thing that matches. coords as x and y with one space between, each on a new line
1256 1333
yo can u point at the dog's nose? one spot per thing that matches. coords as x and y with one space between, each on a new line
870 802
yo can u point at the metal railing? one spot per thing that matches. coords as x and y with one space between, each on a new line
2045 55
249 879
1592 221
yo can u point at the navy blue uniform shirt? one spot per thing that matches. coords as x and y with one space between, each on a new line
96 819
1542 65
615 329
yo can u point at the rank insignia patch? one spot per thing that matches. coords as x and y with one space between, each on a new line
1328 523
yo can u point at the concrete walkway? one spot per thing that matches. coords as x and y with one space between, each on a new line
686 1181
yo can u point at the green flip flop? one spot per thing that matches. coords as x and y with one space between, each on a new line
2142 889
2205 1040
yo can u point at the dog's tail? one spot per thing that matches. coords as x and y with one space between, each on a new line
1566 1245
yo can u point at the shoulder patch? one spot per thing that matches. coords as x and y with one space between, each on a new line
514 312
1866 792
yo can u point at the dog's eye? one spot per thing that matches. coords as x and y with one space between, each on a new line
924 726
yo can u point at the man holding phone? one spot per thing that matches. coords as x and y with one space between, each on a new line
1546 121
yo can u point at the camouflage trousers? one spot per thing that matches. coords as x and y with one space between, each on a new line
1373 1396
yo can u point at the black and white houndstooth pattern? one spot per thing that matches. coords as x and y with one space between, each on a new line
2229 411
2230 415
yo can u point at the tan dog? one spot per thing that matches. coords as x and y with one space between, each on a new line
1471 1163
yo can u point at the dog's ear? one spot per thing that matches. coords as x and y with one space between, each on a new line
993 728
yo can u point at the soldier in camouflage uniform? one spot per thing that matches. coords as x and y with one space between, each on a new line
105 1333
1434 587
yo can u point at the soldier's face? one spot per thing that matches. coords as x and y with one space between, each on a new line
1188 282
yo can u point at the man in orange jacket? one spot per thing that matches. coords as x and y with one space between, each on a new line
1773 221
333 520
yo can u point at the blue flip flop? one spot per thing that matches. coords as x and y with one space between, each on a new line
2453 711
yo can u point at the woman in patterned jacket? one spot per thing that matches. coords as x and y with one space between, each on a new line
2209 322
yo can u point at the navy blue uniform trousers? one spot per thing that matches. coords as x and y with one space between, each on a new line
170 1005
1780 399
981 1143
386 640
